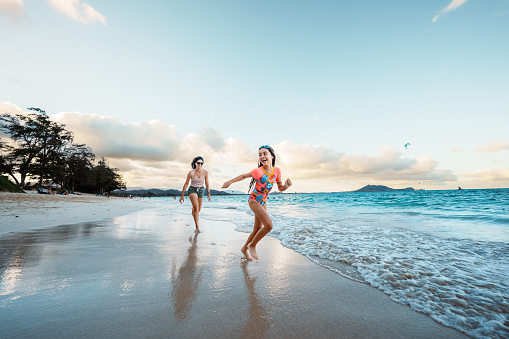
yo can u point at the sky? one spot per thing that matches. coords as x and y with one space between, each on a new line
337 88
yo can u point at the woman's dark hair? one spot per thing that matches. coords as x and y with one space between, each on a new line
267 147
193 163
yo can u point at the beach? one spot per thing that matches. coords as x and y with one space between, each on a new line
20 211
133 269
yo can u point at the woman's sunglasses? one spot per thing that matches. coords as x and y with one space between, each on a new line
199 163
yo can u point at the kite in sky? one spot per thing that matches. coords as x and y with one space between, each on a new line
407 144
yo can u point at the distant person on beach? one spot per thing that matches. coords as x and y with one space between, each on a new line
198 176
53 187
263 178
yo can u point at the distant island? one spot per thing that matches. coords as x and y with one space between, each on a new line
380 188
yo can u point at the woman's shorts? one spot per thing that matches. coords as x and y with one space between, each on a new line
196 190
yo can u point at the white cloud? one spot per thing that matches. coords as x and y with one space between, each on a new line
153 154
494 146
154 149
10 108
490 175
308 162
213 138
76 10
13 10
306 158
452 6
152 141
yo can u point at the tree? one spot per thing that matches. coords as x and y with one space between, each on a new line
53 139
39 143
4 161
8 161
77 167
19 158
106 179
44 149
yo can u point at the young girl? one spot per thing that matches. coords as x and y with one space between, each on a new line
264 176
197 176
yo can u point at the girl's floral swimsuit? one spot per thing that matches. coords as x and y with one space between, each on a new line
264 183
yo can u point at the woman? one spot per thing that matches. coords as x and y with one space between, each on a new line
196 191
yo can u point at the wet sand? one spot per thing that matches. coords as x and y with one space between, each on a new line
147 274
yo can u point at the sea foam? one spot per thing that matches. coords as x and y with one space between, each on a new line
443 253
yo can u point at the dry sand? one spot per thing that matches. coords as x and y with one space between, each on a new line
20 211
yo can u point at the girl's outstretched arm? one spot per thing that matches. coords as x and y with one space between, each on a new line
284 187
239 178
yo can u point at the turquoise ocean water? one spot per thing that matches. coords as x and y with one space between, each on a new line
443 253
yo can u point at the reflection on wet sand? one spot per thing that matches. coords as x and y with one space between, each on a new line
185 282
258 320
19 250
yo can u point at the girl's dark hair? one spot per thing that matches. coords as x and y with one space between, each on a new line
193 163
267 147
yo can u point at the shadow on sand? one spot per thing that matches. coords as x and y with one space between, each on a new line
185 282
258 320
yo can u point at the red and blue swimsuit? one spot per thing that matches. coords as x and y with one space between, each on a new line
264 183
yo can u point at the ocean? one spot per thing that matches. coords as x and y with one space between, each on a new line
443 253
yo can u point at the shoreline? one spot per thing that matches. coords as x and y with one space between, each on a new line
284 287
150 275
26 211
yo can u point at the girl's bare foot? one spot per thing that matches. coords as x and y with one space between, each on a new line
246 253
252 250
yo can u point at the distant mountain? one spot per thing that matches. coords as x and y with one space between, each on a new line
134 188
234 192
156 192
380 188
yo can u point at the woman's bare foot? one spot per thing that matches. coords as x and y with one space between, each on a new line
246 253
197 230
252 250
